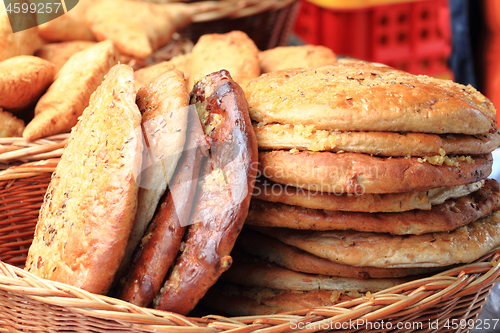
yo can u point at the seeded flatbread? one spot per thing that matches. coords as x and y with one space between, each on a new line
372 203
448 216
257 273
301 137
462 245
364 97
274 251
236 300
359 173
90 204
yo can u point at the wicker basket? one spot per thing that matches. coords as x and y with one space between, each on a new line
447 302
268 22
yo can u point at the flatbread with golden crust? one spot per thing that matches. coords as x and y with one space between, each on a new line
58 109
59 53
365 97
462 245
359 173
236 300
448 216
233 51
368 202
274 251
90 204
301 137
23 79
302 56
251 272
164 107
136 28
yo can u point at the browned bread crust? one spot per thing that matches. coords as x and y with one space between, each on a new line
360 173
279 253
162 239
164 107
364 97
302 56
462 245
236 300
90 204
223 199
252 272
368 202
447 216
394 144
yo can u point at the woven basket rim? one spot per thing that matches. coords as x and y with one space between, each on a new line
407 298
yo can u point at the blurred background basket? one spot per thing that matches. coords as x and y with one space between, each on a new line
445 302
268 23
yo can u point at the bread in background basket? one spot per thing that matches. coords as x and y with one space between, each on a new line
365 170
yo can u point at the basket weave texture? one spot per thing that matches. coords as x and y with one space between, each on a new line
446 302
267 22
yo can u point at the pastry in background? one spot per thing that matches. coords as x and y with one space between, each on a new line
58 109
23 79
303 56
10 126
136 28
20 43
59 53
233 51
147 74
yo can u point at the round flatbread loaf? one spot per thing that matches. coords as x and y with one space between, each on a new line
250 272
372 203
236 300
462 245
279 253
365 97
359 173
90 204
301 137
447 216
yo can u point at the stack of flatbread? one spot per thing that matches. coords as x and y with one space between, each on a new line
368 175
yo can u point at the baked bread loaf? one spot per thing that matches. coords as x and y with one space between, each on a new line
221 204
462 245
363 97
447 216
90 204
162 240
368 202
164 107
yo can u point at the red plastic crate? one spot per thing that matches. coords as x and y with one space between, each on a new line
412 35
